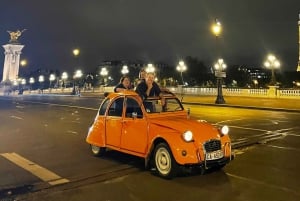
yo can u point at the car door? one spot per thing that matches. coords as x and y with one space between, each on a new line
114 123
134 131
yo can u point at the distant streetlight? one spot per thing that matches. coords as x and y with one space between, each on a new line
78 74
23 62
124 70
23 81
220 66
41 81
104 73
216 28
76 52
150 68
272 63
41 78
64 77
181 67
51 79
31 82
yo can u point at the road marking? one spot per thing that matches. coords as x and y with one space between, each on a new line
15 117
41 172
257 182
285 148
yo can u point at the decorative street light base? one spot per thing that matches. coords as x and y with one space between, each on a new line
220 98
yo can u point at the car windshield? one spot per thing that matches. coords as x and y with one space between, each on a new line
154 105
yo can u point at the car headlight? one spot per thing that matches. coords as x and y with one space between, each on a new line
224 130
187 136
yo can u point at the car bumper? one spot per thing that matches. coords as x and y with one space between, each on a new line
208 164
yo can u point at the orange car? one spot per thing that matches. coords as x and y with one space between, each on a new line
165 136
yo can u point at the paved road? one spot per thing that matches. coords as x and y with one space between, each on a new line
262 172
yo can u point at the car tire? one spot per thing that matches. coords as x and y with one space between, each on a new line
98 151
164 162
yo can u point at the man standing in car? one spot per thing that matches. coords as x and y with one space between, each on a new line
149 88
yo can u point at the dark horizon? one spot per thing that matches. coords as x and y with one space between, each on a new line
156 31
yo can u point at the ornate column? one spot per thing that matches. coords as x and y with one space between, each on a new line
11 61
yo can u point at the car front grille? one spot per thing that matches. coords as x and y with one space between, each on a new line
212 145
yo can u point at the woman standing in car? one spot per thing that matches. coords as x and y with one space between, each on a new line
124 84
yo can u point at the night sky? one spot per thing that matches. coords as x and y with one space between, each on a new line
151 30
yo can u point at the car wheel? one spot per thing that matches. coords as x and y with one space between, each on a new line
98 151
164 162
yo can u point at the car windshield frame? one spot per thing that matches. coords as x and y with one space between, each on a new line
154 105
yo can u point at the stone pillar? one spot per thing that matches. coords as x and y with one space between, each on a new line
272 92
11 61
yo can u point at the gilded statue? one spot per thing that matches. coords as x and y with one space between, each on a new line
14 35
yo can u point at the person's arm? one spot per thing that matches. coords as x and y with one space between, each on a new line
158 91
119 88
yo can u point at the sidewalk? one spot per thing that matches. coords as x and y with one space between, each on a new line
247 102
277 104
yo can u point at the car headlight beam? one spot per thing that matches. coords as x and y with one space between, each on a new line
187 136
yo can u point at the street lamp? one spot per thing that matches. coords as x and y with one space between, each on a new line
31 82
76 52
23 62
150 68
104 73
41 81
51 79
216 28
272 63
64 77
77 76
124 70
220 66
181 67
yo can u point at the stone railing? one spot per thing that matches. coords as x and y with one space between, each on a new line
271 92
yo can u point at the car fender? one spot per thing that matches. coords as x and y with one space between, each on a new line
176 143
96 134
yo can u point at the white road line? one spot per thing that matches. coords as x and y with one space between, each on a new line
263 183
285 148
41 172
15 117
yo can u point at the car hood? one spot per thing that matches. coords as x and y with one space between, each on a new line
200 129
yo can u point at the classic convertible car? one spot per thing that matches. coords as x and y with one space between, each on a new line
164 135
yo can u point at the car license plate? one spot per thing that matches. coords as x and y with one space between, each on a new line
214 155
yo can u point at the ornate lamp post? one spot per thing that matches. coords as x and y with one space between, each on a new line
220 66
104 73
64 77
31 82
272 63
181 67
51 79
76 77
41 81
